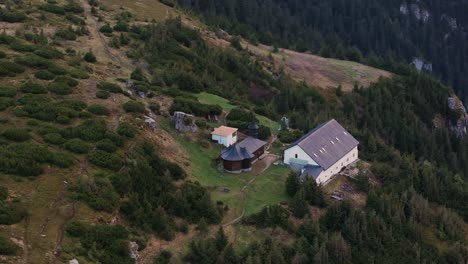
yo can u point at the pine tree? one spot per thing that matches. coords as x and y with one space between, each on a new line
299 205
292 184
221 239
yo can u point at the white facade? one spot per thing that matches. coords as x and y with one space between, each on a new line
296 152
349 158
225 140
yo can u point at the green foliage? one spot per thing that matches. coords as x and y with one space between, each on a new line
90 57
192 106
270 216
16 134
3 193
106 29
106 160
106 145
60 88
67 33
80 74
2 55
126 130
77 146
98 193
44 75
33 61
8 248
22 159
264 132
102 94
33 88
11 16
7 91
11 213
52 8
73 7
19 47
292 184
10 69
110 87
70 81
109 244
54 138
289 136
5 103
133 107
98 109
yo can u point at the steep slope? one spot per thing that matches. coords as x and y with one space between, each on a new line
83 175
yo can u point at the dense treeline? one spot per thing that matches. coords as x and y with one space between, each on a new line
347 29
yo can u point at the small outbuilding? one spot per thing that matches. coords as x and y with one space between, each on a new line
239 157
225 135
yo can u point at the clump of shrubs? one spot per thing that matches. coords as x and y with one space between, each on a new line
10 69
60 88
77 146
106 145
134 107
54 138
126 130
44 75
90 57
7 91
98 109
106 160
110 87
102 94
34 88
79 74
16 134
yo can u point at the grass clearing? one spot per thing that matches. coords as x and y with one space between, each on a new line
211 99
267 189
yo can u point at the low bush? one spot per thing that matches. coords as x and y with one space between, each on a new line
7 91
289 136
68 80
44 75
10 68
19 47
106 29
79 74
99 194
6 39
49 53
110 87
67 33
106 145
11 17
57 70
72 104
11 213
54 138
16 134
98 109
7 247
32 87
60 88
154 106
126 130
5 103
3 193
23 159
60 160
134 107
102 94
106 160
90 57
33 61
77 146
73 7
2 55
52 8
75 19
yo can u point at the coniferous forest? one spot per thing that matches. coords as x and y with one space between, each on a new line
382 31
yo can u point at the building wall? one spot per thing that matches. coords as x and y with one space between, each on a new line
298 153
226 141
349 158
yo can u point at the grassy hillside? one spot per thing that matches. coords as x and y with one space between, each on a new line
82 175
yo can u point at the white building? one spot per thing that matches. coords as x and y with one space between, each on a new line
225 135
323 152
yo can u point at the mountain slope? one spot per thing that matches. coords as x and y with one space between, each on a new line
82 175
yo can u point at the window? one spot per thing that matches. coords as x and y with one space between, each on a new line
296 156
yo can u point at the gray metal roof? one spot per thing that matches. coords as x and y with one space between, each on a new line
236 153
327 143
311 171
251 144
242 150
